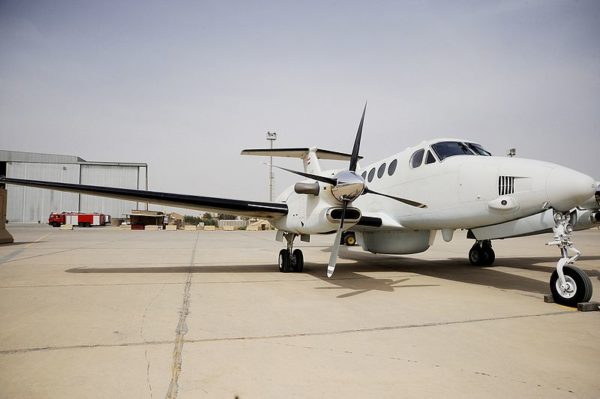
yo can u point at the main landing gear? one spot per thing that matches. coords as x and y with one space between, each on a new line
569 285
482 254
290 260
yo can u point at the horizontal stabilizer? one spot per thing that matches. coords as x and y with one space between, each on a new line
298 153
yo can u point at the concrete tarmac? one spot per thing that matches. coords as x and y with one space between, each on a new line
107 313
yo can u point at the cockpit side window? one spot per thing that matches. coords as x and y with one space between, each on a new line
417 158
430 158
445 149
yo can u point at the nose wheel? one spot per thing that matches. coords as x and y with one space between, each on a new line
569 284
576 288
482 254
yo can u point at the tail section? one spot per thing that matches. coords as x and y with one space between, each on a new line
310 156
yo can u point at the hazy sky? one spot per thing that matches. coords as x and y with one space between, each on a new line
184 86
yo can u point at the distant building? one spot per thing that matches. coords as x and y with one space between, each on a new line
30 205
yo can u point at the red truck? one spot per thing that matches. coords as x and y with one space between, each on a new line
78 219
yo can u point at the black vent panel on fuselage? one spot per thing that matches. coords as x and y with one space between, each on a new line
506 185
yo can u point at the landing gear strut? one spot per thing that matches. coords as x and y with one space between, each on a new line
482 254
569 285
290 259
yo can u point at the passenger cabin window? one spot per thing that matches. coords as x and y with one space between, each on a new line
381 170
430 158
364 175
371 175
392 167
417 158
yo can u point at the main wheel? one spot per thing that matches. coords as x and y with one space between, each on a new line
476 255
481 255
298 261
284 261
578 287
350 240
489 255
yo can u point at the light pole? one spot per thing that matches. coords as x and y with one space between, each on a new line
271 137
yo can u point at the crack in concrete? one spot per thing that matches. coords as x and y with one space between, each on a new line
83 346
280 336
144 338
375 329
9 257
181 330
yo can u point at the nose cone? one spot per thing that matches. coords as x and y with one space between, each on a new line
567 188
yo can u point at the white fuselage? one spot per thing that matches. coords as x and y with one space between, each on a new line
460 191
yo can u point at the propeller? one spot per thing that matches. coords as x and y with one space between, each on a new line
346 187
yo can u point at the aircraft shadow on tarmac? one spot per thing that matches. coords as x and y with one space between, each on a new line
349 276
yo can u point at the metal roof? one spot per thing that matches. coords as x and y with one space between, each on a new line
35 157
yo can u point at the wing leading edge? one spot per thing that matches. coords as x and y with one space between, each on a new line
210 204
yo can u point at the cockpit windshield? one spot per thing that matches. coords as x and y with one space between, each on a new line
479 150
445 149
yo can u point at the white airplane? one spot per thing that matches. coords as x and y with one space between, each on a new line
452 184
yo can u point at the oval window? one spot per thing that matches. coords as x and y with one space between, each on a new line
371 175
392 167
417 158
381 170
364 175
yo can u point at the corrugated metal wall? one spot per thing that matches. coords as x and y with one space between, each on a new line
27 204
111 176
30 205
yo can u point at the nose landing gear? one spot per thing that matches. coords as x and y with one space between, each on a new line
569 285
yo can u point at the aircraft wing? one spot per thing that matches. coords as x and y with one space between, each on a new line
210 204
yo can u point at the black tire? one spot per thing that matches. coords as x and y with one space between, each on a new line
298 263
489 256
581 287
284 261
476 255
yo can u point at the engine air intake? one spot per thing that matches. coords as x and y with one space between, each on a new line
335 214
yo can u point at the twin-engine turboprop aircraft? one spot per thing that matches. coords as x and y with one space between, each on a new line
397 205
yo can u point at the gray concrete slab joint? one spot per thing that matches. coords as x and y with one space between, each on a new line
181 330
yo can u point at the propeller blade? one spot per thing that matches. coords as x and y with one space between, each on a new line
323 179
356 148
335 249
334 254
406 201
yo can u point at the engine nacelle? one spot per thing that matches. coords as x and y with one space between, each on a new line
396 242
582 219
592 203
314 214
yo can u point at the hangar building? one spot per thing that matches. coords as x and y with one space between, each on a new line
30 205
